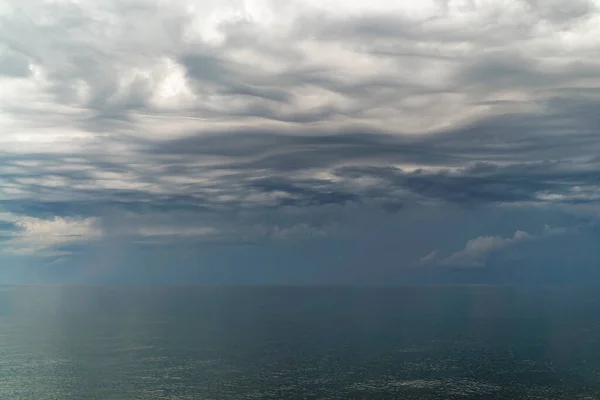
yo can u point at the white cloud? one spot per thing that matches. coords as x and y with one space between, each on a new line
477 250
44 236
128 58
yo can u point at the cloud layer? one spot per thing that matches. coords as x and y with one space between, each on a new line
242 121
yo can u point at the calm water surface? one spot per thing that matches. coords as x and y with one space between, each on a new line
306 343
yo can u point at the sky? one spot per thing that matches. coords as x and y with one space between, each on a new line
299 142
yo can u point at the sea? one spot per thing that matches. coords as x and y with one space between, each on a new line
429 342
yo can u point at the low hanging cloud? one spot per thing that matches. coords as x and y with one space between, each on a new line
477 250
45 236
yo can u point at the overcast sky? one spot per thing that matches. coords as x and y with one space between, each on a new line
299 141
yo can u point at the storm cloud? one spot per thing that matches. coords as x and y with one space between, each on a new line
257 122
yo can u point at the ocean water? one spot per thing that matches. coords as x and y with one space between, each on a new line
299 343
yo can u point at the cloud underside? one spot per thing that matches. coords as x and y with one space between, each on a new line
264 113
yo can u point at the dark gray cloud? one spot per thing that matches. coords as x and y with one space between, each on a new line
499 160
